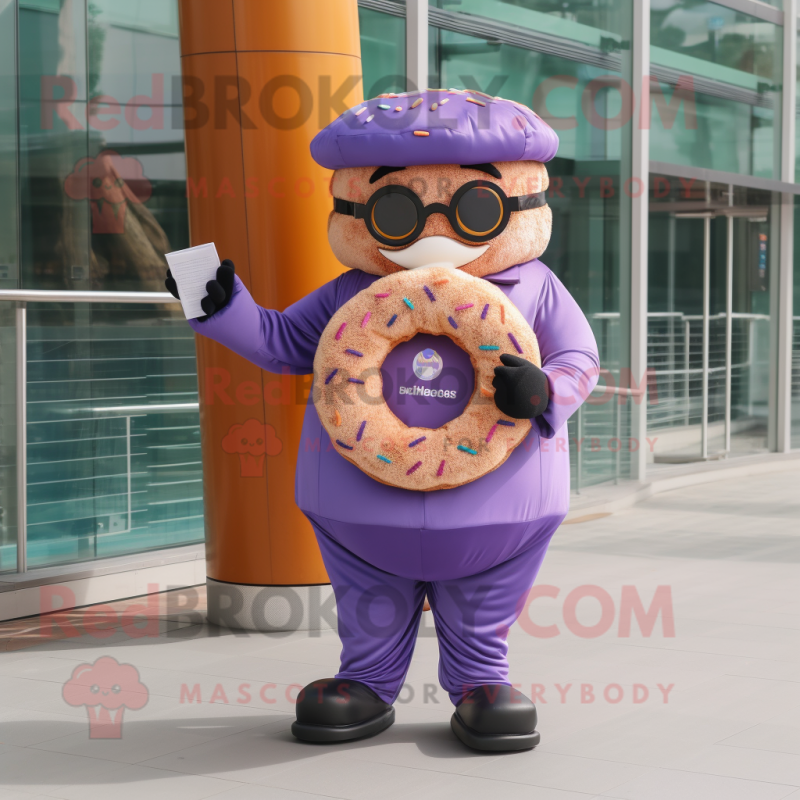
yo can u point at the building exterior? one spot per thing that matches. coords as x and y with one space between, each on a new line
674 199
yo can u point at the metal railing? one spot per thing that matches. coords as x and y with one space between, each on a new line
23 296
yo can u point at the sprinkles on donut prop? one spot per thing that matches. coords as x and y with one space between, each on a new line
348 392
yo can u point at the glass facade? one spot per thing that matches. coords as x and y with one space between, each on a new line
93 193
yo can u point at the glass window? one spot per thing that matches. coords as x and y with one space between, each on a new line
114 460
686 217
383 52
719 74
592 23
587 194
796 345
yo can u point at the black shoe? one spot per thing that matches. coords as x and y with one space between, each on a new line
339 710
496 717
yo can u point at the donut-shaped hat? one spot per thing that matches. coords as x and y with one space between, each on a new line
434 126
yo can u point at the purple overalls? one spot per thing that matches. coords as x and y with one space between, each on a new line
474 550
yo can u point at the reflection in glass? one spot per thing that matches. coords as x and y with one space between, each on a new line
682 214
95 108
586 195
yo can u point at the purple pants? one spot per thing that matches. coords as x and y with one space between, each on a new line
379 610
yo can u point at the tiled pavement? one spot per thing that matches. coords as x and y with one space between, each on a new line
729 554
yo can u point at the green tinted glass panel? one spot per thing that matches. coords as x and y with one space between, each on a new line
587 198
675 315
796 330
9 274
114 460
383 52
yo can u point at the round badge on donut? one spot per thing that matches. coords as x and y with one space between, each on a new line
348 389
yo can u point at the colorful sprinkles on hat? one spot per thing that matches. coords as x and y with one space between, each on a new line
366 319
391 321
342 444
384 459
340 331
506 423
383 107
361 110
485 311
464 306
361 430
355 380
477 102
354 352
417 102
430 294
467 450
452 322
440 471
414 468
330 377
417 441
337 417
408 303
488 347
421 133
382 294
491 432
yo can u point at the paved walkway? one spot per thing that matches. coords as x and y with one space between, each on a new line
712 711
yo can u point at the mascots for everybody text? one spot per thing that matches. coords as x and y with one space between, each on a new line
442 359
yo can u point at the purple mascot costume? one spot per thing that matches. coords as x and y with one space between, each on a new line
473 550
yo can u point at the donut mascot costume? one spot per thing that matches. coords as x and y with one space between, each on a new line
444 359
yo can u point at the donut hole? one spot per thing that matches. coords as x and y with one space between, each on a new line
428 380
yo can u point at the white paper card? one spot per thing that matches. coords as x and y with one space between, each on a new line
192 269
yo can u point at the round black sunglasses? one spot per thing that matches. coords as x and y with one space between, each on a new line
478 211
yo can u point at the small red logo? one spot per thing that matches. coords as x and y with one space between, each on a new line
110 687
252 440
109 182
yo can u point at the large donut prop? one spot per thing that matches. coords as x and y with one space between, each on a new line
348 387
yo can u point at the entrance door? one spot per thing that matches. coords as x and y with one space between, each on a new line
710 331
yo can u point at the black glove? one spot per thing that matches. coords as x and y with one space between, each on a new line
521 388
219 291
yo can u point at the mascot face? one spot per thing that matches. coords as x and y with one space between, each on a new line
503 237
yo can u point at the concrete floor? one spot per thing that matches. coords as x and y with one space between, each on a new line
727 555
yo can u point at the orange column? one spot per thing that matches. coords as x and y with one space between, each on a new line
261 77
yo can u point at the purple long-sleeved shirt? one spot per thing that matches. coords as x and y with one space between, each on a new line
532 483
